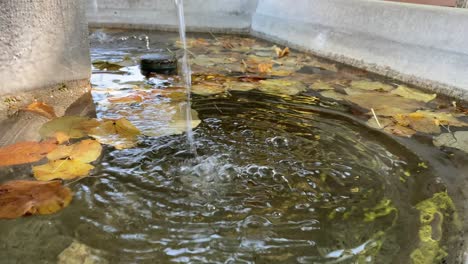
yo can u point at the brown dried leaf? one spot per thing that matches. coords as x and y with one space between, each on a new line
119 133
25 152
133 98
280 53
19 198
41 109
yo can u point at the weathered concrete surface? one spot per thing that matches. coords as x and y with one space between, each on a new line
42 43
422 45
200 15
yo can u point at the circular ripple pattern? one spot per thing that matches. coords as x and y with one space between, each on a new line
274 181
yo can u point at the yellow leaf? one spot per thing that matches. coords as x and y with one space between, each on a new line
207 88
119 133
61 137
442 118
71 126
281 86
239 86
265 67
18 198
42 109
25 152
414 94
61 169
85 151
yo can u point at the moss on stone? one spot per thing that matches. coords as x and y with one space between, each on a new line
433 212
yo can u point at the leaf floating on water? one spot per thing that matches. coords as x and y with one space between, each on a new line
119 133
41 109
61 137
400 130
321 85
25 152
371 86
85 151
458 140
280 53
134 98
105 65
418 122
61 169
281 86
414 94
442 118
71 126
240 86
178 123
19 198
208 88
383 104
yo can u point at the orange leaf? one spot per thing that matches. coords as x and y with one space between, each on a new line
25 152
42 109
19 198
265 67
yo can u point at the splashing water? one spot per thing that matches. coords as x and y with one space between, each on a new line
186 75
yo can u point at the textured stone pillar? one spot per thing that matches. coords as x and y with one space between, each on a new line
42 43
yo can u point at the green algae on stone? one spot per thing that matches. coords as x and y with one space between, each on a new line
383 208
433 212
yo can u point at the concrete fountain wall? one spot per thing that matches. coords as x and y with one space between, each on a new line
42 43
422 45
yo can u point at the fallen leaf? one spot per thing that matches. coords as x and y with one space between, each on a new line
265 68
25 152
281 86
384 122
280 53
78 253
19 198
414 94
371 86
85 151
321 85
42 109
119 133
384 104
458 140
419 122
333 95
442 118
72 126
61 137
133 98
178 124
240 86
207 88
61 169
400 130
104 65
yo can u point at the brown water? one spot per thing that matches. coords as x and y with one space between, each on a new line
278 179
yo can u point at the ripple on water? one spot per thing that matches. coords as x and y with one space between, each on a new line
271 183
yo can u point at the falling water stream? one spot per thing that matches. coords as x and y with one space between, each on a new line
186 74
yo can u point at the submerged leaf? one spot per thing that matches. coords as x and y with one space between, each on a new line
281 86
25 152
134 98
418 122
85 151
71 126
414 94
19 198
458 140
42 109
61 169
240 86
119 133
